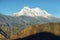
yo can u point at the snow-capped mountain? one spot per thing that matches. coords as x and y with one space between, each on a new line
24 18
28 16
26 11
36 14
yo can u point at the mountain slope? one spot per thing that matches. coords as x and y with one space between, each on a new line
33 29
19 21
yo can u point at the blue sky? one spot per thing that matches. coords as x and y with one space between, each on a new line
8 7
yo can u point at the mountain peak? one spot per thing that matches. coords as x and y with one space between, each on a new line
26 11
26 7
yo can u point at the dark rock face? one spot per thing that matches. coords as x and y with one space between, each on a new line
41 36
4 34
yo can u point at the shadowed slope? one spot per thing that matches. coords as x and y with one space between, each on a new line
41 36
